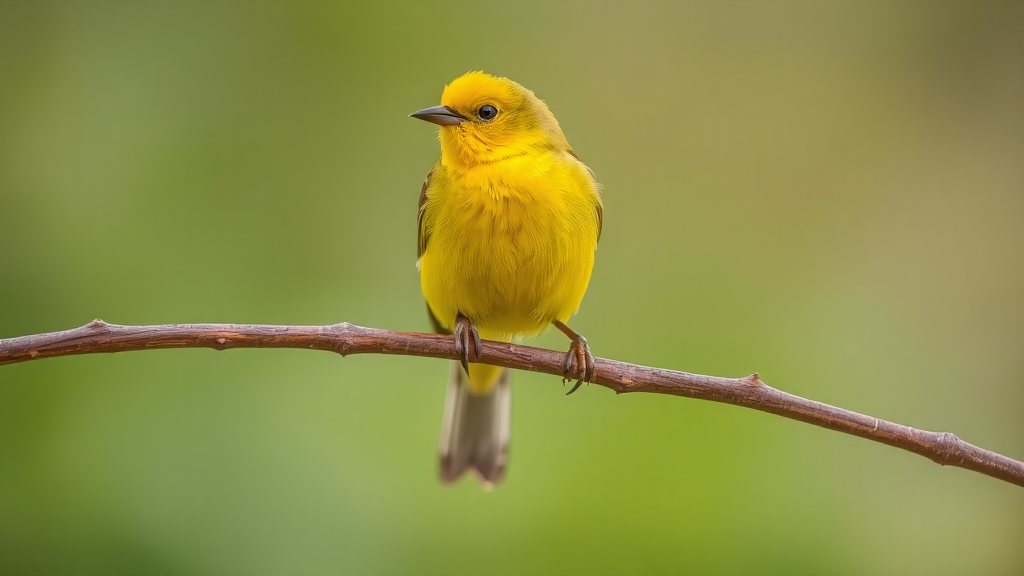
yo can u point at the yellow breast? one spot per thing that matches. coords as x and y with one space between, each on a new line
511 243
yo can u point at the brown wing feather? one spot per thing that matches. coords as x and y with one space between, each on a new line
421 240
421 235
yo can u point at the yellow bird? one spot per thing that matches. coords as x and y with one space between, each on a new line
509 220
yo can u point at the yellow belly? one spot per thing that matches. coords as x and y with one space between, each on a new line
510 253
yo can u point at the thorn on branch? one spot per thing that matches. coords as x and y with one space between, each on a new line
754 379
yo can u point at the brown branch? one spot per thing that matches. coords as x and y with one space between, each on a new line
344 338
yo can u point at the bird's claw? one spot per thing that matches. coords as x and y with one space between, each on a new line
579 363
467 342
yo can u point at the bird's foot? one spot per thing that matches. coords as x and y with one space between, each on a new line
579 363
467 341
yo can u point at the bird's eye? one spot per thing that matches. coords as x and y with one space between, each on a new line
487 112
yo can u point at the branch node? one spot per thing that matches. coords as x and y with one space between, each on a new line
341 333
949 449
97 324
622 385
754 379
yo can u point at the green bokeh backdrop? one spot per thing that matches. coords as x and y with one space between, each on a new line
828 193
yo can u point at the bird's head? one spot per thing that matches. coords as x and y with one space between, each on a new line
485 118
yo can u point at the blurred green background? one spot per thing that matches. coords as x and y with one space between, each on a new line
828 193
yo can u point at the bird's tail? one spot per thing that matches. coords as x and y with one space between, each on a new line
475 430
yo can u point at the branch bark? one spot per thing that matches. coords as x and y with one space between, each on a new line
344 338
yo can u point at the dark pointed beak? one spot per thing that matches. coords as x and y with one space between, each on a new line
440 115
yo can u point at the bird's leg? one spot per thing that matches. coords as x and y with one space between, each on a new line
467 341
578 361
